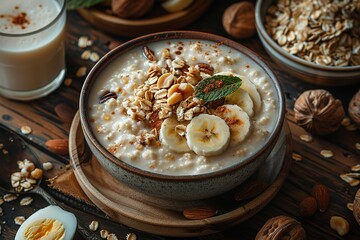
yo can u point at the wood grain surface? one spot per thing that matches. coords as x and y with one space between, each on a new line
40 115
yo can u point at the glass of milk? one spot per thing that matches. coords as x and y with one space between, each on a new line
32 51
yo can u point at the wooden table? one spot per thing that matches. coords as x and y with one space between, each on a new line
40 115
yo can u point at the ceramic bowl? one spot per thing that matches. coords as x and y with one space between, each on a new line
185 187
298 67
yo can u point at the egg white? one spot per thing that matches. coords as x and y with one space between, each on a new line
66 218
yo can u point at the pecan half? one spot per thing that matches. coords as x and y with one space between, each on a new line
206 68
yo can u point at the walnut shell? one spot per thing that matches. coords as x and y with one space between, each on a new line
131 8
318 112
239 20
356 207
281 227
354 108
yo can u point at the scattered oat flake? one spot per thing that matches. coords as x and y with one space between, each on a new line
346 122
350 206
19 220
94 225
351 127
5 152
1 146
357 146
104 233
26 129
47 166
355 168
94 57
26 201
112 236
83 42
9 197
86 55
131 236
81 72
352 182
326 153
67 82
89 43
296 157
306 138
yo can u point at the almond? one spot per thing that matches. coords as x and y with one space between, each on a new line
322 196
65 112
308 206
198 213
59 146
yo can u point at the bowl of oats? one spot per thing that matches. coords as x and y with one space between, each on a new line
181 115
316 41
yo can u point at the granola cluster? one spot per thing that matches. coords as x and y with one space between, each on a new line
167 91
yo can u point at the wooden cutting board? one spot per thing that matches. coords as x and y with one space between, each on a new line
156 21
162 216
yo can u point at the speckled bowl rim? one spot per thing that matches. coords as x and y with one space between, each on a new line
261 31
170 35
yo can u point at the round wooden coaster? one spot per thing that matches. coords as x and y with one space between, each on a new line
156 21
162 216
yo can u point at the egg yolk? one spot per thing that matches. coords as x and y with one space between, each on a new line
44 229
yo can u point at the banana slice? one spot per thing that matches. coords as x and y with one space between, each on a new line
176 5
249 87
238 121
241 98
207 135
169 137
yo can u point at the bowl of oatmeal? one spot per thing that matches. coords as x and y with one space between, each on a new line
315 41
181 115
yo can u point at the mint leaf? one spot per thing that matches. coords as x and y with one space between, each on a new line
74 4
216 87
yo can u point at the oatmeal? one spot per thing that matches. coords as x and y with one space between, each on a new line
183 107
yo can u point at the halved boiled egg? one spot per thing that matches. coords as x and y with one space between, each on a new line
50 223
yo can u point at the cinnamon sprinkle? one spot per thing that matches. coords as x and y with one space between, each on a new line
20 19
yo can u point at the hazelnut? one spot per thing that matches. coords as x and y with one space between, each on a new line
281 227
239 20
356 207
318 112
131 8
354 108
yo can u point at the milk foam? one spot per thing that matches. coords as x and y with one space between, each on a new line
39 13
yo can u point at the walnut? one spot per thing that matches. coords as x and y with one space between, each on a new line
131 8
318 112
239 20
281 227
354 108
356 207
